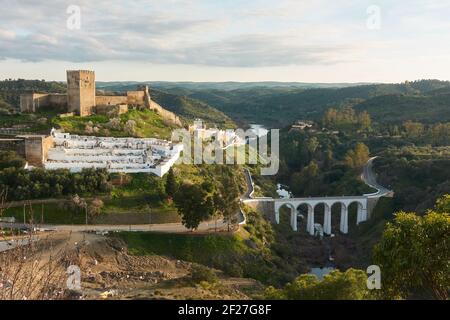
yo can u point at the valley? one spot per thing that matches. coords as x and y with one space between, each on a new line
191 232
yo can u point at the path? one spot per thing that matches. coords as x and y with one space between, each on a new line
369 178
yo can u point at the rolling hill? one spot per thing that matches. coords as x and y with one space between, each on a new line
425 100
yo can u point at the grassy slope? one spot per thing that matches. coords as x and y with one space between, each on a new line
242 254
32 122
148 124
272 254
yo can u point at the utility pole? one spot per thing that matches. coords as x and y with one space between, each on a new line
149 217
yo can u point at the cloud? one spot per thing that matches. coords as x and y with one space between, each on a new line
7 35
226 34
259 51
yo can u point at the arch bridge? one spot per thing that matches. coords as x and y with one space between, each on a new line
328 202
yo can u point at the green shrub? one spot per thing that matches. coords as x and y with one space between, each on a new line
200 273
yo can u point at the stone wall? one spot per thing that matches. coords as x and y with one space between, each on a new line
36 148
165 114
136 98
263 206
58 101
105 109
30 102
110 100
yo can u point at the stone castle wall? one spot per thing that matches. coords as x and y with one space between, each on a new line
30 102
110 100
81 99
165 114
58 101
105 109
136 98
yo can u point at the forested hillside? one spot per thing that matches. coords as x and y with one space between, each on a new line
424 100
398 108
190 109
10 90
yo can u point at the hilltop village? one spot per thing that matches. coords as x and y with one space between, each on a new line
62 150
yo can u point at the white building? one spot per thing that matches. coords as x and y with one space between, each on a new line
226 138
129 155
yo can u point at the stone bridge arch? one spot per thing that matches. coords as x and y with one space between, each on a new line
328 202
293 214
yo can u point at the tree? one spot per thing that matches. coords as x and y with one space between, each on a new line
95 207
171 184
443 204
307 181
346 119
10 159
357 157
364 120
130 127
312 144
226 198
413 129
194 204
337 285
414 254
114 124
201 273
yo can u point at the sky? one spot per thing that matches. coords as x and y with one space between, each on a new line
325 41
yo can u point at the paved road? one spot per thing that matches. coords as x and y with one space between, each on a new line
164 227
250 187
369 177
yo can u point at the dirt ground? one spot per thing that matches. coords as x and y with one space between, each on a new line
109 272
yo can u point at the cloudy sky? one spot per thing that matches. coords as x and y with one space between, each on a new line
229 40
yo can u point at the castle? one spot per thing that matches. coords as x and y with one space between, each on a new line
81 99
64 151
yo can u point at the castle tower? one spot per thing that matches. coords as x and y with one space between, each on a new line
81 92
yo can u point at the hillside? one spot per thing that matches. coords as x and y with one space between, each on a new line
187 108
398 108
10 90
176 101
190 109
279 106
137 123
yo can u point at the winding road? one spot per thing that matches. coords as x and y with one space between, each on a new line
369 178
206 226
